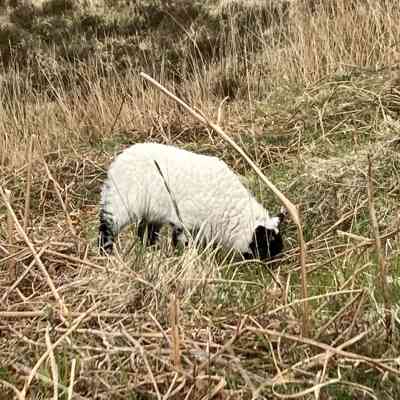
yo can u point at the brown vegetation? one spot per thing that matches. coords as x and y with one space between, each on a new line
313 90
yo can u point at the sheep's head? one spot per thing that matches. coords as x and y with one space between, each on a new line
267 240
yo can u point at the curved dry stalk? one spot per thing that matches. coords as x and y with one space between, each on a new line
35 369
301 394
71 379
219 117
11 263
63 308
294 213
45 380
174 321
28 183
378 245
20 395
60 199
139 347
22 276
329 349
53 363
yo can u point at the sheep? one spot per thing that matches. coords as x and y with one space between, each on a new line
153 184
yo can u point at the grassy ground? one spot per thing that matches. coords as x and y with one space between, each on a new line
314 88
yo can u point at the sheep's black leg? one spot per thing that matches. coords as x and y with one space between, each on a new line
153 231
177 236
106 233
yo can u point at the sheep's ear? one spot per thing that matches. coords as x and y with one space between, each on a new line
266 243
259 242
283 213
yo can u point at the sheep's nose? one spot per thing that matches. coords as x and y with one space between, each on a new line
282 214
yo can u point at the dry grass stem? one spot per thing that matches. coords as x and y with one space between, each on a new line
173 200
21 276
28 183
292 209
53 364
60 199
335 317
12 264
45 380
358 357
75 260
174 323
220 385
34 314
39 362
314 389
385 290
63 308
219 115
139 347
20 396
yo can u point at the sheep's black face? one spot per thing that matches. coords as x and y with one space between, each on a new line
265 244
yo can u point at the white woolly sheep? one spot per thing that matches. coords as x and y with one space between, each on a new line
153 184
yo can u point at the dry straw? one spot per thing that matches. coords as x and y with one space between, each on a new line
285 201
53 363
28 183
60 199
63 308
12 265
174 320
378 245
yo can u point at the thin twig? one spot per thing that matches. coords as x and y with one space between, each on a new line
225 347
346 354
12 262
378 245
221 384
21 277
176 347
75 260
60 199
74 325
302 393
171 386
338 315
20 395
118 114
219 116
146 362
63 308
45 379
172 197
28 183
71 379
44 313
53 363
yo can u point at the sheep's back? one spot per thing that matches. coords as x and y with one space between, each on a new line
208 195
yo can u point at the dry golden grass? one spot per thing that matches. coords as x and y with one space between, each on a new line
314 88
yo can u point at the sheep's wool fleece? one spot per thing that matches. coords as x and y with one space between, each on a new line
210 198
